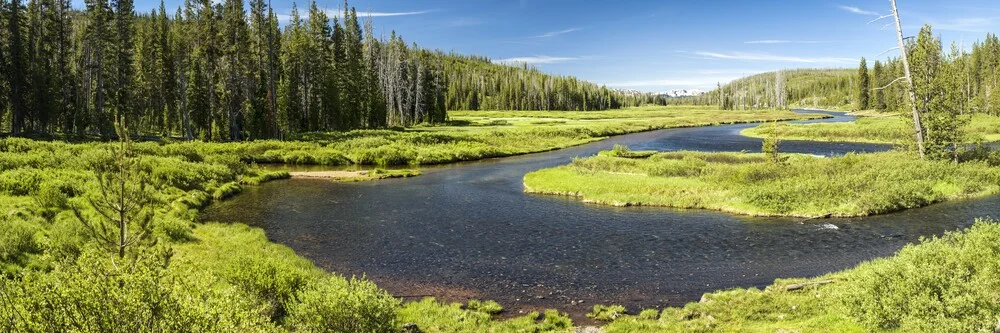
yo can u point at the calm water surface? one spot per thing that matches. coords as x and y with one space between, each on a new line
468 231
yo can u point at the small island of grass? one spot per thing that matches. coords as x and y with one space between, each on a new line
355 176
873 128
753 184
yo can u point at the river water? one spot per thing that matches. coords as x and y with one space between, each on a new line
467 230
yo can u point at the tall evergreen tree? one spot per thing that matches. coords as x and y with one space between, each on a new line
16 68
863 94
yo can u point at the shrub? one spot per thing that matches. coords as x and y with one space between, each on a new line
334 304
95 294
272 280
606 312
946 284
488 307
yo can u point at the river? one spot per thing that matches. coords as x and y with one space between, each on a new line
467 230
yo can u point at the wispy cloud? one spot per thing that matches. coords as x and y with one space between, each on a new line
858 11
551 34
285 17
338 13
771 57
541 59
782 41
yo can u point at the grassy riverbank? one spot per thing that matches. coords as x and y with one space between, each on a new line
892 129
946 284
474 135
185 276
852 185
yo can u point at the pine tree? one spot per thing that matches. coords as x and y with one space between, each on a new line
16 69
863 94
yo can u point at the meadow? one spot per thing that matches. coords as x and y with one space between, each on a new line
473 135
185 276
753 184
891 129
211 277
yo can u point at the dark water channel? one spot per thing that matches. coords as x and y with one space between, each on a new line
468 231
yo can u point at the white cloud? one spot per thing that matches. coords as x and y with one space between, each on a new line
782 41
858 11
556 33
770 57
541 59
381 14
361 15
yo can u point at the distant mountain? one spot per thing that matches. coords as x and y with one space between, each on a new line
683 93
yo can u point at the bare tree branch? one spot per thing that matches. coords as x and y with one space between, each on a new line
891 83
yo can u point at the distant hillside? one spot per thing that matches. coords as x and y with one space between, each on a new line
827 88
678 93
476 83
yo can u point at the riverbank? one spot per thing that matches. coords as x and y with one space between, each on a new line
750 184
354 176
892 129
475 135
945 284
185 276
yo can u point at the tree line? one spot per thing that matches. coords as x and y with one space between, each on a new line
780 89
477 83
213 70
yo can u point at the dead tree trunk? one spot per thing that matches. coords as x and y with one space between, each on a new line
917 126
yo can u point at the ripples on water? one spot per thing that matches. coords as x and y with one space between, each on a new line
468 230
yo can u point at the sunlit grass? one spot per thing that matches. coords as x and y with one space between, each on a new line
894 129
807 186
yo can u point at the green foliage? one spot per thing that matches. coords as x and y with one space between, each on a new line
770 147
862 95
946 284
851 185
333 304
272 280
488 307
433 317
943 284
96 294
606 312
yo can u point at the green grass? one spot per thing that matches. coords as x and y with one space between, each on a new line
378 174
473 135
189 276
894 129
946 284
801 185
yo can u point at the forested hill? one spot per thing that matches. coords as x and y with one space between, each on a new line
831 88
216 70
476 83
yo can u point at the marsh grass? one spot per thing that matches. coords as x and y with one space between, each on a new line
473 135
894 129
943 284
206 277
750 184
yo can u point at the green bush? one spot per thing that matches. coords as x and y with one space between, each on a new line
274 281
606 312
97 295
946 284
20 182
488 307
334 304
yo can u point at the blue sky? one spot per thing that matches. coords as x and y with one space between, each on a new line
657 45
